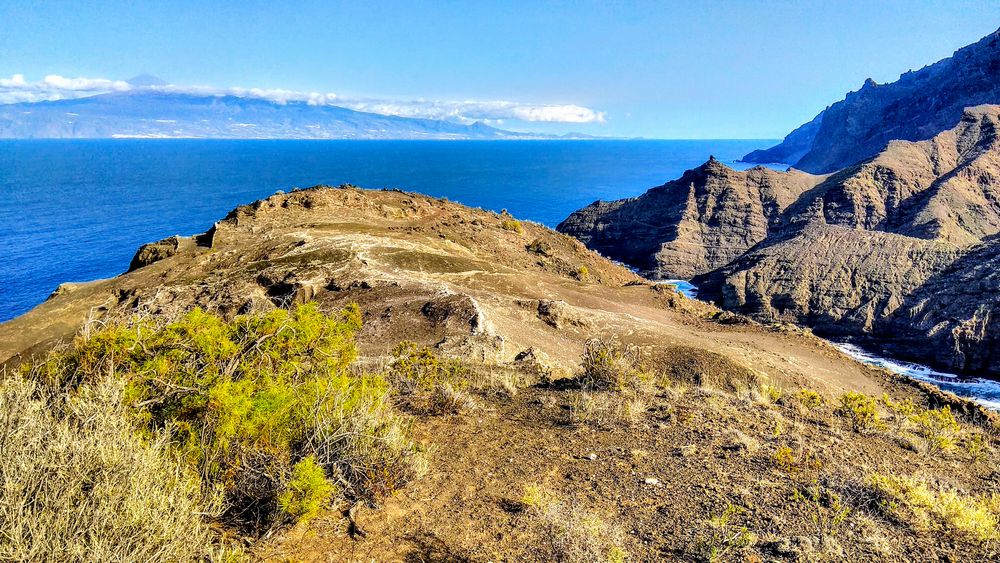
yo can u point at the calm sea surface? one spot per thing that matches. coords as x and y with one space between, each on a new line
77 210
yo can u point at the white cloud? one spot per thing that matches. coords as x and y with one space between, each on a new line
53 87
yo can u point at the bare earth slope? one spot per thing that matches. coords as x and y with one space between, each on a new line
918 106
425 270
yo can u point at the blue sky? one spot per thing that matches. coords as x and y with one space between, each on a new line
655 69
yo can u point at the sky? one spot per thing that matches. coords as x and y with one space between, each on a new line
674 70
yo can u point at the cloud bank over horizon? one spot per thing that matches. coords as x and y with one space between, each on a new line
17 89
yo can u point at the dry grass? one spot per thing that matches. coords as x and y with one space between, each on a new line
80 484
926 507
570 533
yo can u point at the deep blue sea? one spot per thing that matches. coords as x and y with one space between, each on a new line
78 210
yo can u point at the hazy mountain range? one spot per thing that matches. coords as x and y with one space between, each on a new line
153 113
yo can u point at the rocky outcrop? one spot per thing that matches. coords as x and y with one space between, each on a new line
861 252
701 221
918 106
871 250
954 315
835 279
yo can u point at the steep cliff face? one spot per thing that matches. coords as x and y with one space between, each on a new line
872 249
860 252
699 222
916 107
954 315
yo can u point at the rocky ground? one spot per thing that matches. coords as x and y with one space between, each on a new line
738 448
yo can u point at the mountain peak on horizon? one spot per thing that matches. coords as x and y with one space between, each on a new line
145 80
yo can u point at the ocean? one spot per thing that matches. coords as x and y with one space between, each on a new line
77 210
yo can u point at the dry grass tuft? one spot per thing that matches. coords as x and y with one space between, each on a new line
924 507
79 483
571 534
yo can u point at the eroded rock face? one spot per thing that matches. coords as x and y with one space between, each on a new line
861 252
699 222
954 314
918 106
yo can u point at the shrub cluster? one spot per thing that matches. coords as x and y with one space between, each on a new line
263 407
861 411
610 365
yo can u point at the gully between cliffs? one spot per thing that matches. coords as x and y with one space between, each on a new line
984 391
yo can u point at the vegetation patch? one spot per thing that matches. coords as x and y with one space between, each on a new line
80 483
570 533
917 503
723 538
263 407
861 412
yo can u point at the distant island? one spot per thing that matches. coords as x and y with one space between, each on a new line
149 112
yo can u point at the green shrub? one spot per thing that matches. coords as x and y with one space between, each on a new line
307 491
788 461
861 412
824 507
249 399
810 399
901 410
582 273
723 537
416 368
79 482
938 429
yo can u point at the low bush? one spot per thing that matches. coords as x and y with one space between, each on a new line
825 508
786 459
915 502
417 368
509 223
901 410
938 428
861 411
610 365
810 399
723 537
253 404
79 482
